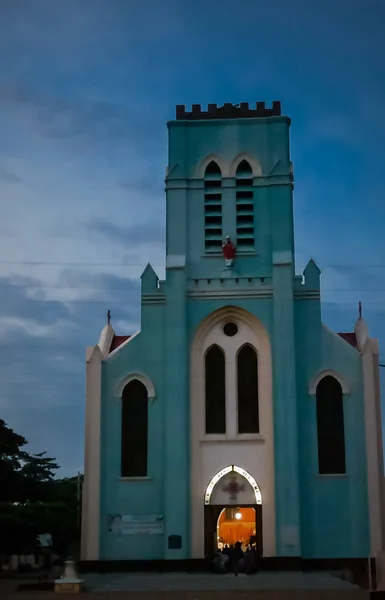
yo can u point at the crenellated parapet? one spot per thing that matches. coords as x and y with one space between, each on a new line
228 111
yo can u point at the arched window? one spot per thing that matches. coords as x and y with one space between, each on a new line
134 430
215 390
247 373
330 427
245 206
213 208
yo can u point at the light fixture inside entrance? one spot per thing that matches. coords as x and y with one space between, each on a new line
238 515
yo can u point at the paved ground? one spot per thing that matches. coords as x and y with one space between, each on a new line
204 586
167 582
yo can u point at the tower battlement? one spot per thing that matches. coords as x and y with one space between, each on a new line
228 111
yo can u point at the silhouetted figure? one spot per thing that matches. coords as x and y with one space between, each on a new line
226 550
249 561
236 557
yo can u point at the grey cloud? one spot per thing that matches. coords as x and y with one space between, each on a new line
365 279
42 391
135 235
14 301
147 184
8 176
55 117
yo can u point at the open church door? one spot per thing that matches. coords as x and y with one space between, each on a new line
211 520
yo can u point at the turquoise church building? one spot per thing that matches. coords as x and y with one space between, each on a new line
233 395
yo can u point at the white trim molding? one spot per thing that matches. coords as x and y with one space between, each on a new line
140 377
374 445
175 261
91 484
328 373
106 337
225 471
253 453
222 164
253 162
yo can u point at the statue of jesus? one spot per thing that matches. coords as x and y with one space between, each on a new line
229 250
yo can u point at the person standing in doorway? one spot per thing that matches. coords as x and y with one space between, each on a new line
237 555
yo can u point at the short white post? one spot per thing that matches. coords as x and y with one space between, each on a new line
69 582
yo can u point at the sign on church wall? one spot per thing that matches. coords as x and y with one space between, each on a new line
136 524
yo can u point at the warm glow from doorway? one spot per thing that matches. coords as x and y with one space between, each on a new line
236 526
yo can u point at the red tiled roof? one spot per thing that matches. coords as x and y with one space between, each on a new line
118 340
350 338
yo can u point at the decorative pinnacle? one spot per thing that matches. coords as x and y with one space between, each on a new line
360 310
108 317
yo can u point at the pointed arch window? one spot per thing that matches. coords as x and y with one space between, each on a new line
215 390
213 207
330 427
134 430
247 374
244 206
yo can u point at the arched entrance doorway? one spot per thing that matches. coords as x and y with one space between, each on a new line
233 509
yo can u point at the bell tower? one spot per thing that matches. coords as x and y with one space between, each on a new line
230 243
229 190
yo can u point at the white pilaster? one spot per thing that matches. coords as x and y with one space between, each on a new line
91 485
374 452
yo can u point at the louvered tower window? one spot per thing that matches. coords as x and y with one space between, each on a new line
213 208
245 206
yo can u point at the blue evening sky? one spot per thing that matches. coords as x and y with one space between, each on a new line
86 87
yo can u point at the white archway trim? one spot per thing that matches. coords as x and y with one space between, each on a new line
245 474
229 313
253 162
200 172
207 456
328 373
140 377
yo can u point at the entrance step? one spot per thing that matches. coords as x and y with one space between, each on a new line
202 586
238 595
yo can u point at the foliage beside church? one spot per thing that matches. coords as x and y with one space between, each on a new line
33 501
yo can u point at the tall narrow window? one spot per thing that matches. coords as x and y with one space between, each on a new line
134 430
213 208
245 206
330 427
215 390
248 410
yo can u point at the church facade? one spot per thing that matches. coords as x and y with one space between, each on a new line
233 395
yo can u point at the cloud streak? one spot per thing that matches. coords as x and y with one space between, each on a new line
43 347
138 235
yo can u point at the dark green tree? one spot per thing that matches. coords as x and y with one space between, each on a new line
32 501
12 457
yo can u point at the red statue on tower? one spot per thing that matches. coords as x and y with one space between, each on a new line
229 250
